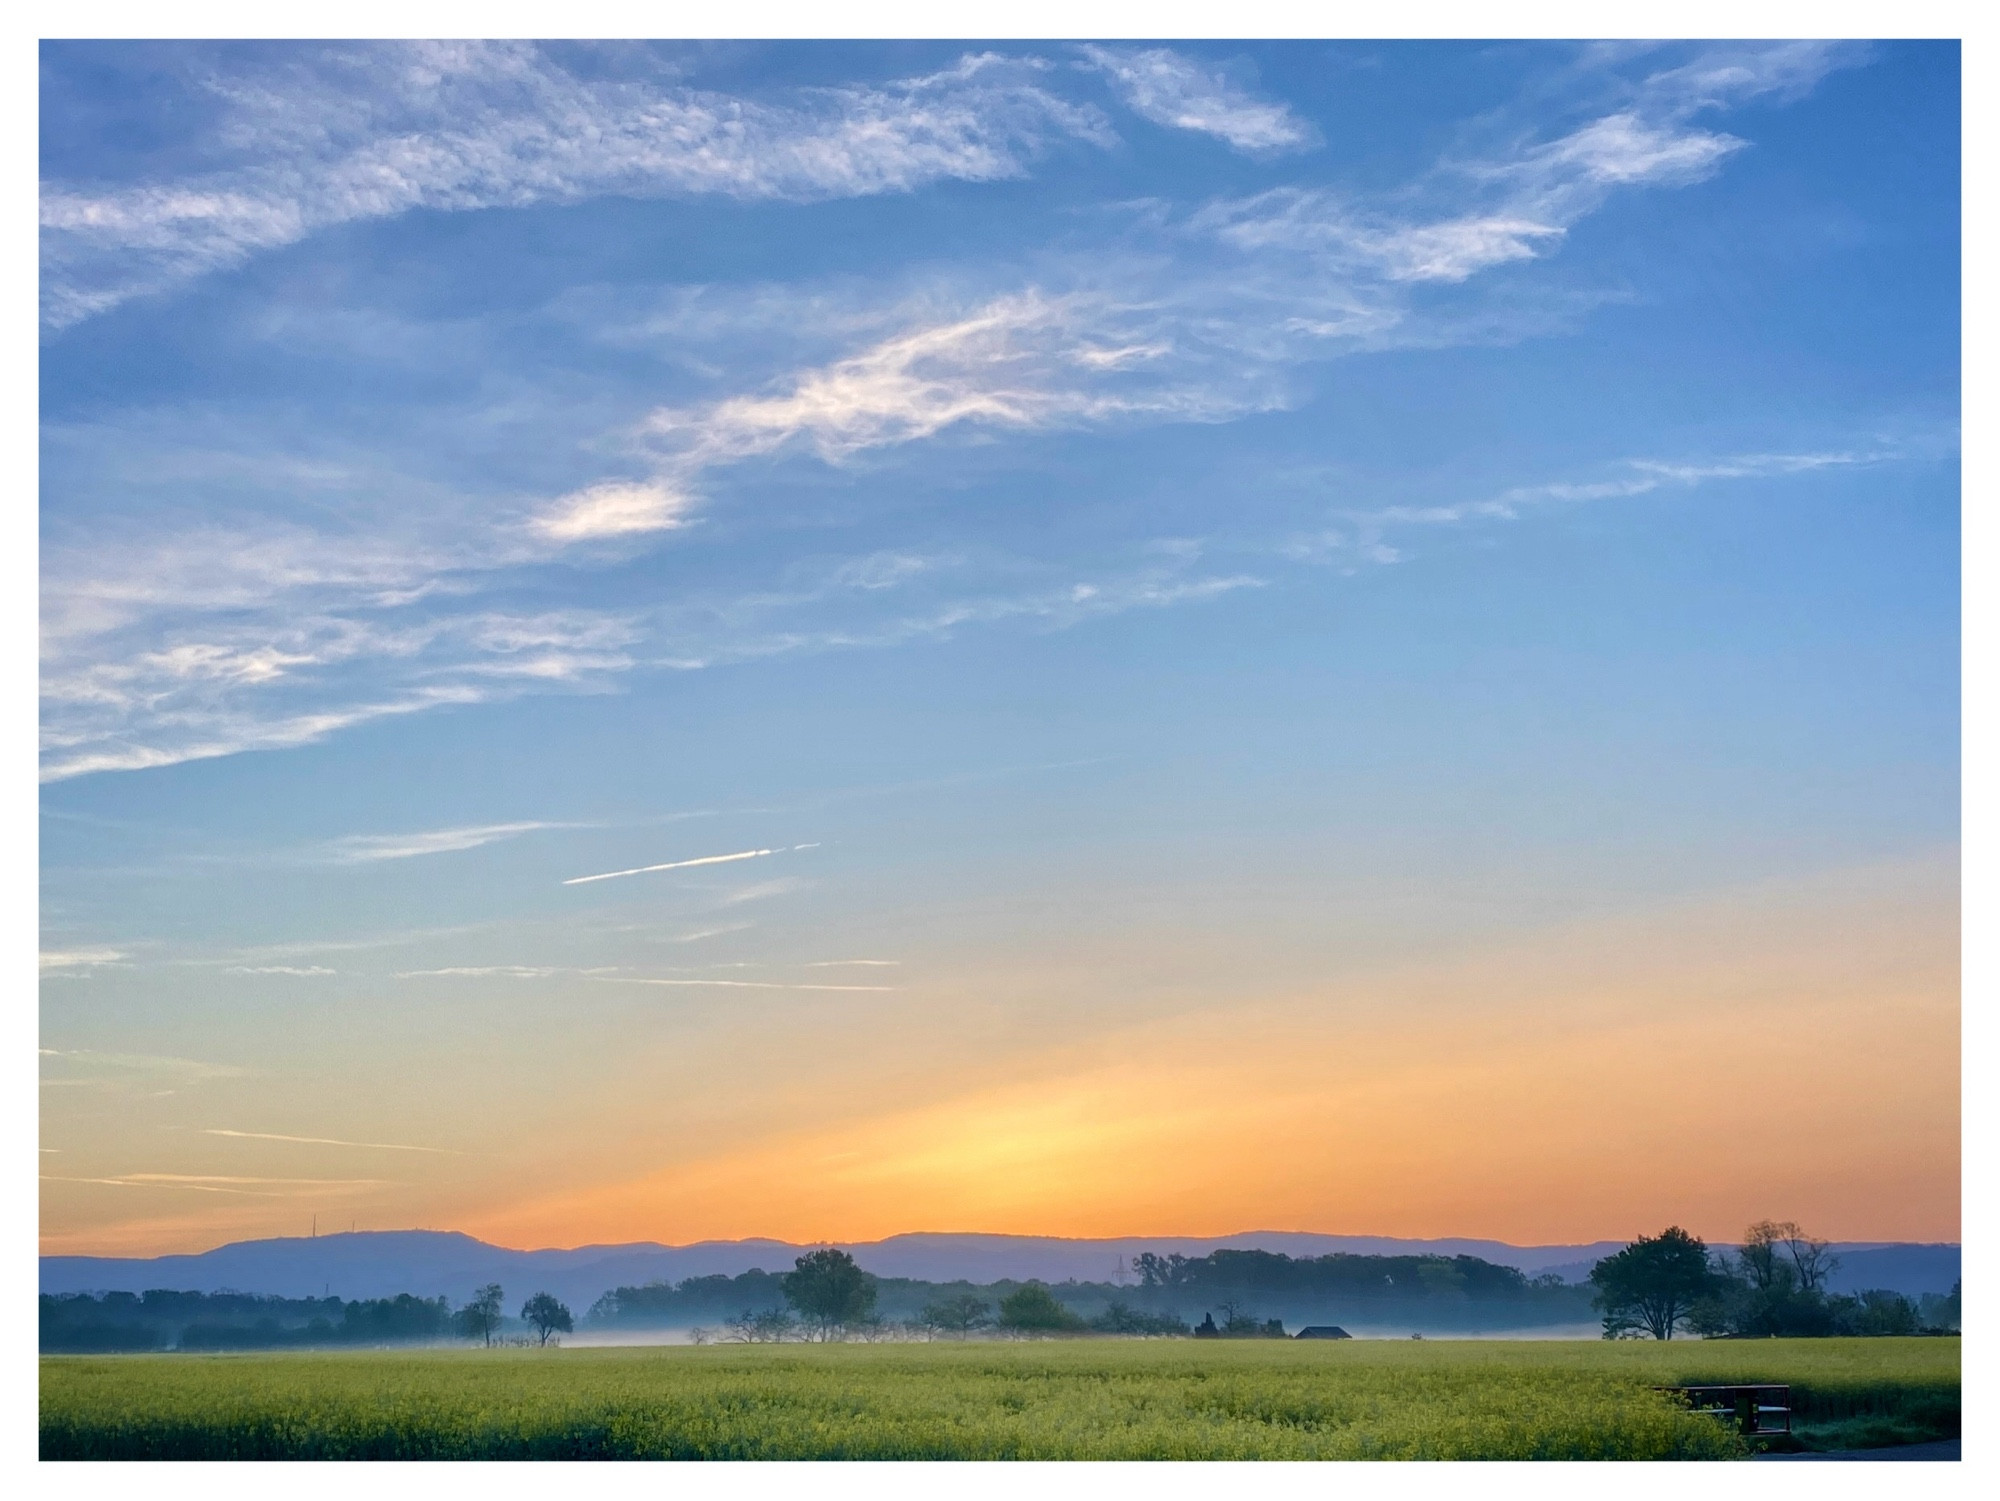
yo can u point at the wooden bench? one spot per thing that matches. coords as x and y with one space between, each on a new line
1756 1410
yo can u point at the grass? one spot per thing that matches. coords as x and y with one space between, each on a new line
1097 1399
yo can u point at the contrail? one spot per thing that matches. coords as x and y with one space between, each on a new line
742 984
641 870
328 1141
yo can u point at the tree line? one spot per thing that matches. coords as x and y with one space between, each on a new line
1774 1283
1342 1274
1164 1295
828 1297
161 1319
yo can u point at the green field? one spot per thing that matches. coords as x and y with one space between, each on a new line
1086 1399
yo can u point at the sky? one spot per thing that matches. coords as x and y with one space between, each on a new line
658 642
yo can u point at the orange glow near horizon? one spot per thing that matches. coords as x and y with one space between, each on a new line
1790 1053
1742 1062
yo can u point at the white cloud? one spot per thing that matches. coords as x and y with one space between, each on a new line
1643 477
1726 74
1027 360
758 891
310 971
612 510
1171 89
164 646
1318 224
365 131
78 958
1620 150
366 848
117 698
229 733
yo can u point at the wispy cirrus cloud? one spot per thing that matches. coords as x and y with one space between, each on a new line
739 984
256 1188
1366 528
1526 195
1532 199
1172 89
486 972
613 509
267 634
364 849
290 671
61 959
364 131
1029 361
127 1065
326 1141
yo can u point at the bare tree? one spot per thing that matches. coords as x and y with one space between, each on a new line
1760 1253
769 1326
1812 1259
480 1319
1777 1251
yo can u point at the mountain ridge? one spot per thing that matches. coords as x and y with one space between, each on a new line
451 1263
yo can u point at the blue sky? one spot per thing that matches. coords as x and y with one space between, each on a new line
1108 535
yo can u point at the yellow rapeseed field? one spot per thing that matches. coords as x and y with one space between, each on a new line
1084 1399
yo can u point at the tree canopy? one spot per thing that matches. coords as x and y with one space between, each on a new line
1653 1285
829 1291
958 1315
547 1316
1032 1308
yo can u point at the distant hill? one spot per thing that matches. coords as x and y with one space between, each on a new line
436 1263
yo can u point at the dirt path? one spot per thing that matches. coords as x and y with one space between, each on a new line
1943 1449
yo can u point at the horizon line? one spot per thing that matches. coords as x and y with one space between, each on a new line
1837 1245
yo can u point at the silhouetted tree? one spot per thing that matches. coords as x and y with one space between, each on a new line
1118 1318
762 1326
1877 1311
1812 1259
1776 1285
1033 1309
480 1319
1653 1284
1759 1258
547 1316
829 1291
960 1315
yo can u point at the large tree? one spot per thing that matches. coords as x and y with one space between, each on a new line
1653 1284
1033 1309
829 1291
547 1315
480 1319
